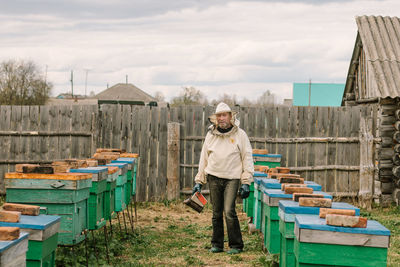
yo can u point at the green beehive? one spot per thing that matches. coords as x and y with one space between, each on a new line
288 210
131 178
62 194
272 239
319 244
120 190
43 236
96 197
270 160
109 194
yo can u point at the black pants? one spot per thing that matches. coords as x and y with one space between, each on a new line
223 196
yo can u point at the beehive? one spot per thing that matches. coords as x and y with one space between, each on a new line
62 194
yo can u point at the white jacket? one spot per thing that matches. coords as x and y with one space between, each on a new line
226 155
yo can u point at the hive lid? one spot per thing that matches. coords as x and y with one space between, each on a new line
292 207
313 222
54 176
7 244
268 155
281 194
260 174
90 170
39 222
120 165
125 160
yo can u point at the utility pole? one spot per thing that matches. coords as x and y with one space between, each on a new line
72 83
126 78
87 70
309 93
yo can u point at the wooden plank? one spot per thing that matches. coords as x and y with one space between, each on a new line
144 118
162 154
64 142
135 130
10 216
315 202
297 196
16 117
25 140
354 155
5 121
189 117
302 132
292 132
324 211
49 120
339 238
182 133
126 124
24 209
33 149
312 149
331 176
260 127
283 118
116 125
346 221
75 126
9 233
153 191
292 190
344 117
173 185
198 126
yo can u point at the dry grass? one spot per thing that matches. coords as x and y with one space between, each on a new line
174 235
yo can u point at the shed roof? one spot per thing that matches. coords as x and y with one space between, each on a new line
126 92
380 38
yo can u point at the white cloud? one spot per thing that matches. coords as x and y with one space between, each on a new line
231 46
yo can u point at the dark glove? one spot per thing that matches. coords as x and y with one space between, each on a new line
196 188
244 191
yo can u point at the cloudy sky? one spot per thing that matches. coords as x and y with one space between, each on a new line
218 46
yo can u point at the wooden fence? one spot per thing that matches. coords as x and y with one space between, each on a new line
320 143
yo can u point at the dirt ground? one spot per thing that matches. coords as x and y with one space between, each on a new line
172 234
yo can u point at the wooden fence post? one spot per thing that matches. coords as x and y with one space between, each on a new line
367 167
173 186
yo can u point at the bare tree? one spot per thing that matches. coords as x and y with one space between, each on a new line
22 83
267 99
189 96
159 96
227 99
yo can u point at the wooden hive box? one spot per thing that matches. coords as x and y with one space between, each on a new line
62 194
130 177
271 200
96 197
288 210
13 253
109 194
320 244
43 238
270 160
120 189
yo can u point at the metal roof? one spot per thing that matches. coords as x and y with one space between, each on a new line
380 38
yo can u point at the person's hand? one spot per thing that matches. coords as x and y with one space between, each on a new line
196 188
244 191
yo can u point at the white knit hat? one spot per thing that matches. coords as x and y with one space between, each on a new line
222 107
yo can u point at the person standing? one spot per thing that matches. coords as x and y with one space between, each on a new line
225 163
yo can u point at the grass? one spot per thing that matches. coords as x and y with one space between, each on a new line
171 234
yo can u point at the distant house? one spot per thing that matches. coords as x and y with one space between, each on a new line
125 93
322 94
373 79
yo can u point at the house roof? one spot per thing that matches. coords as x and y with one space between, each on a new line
125 92
380 39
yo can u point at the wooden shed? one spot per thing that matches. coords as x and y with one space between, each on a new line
374 79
